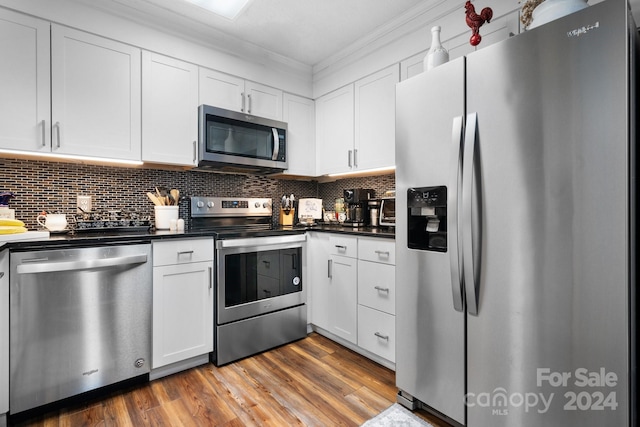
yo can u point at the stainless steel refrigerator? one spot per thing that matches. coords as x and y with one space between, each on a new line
516 206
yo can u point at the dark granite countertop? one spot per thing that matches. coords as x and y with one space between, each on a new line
84 239
382 232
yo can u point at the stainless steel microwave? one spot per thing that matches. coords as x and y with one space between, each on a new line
230 141
388 211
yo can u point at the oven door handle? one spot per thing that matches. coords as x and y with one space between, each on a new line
260 241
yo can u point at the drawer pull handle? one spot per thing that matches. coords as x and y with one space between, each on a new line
386 253
185 253
378 288
384 337
342 247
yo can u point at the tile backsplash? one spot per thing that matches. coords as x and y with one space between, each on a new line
53 187
330 191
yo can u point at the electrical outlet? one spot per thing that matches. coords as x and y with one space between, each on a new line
84 204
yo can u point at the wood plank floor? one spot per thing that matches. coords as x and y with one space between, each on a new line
311 382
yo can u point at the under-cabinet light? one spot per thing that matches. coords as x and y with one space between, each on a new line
363 172
226 8
73 157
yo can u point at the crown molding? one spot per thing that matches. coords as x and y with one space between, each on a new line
412 20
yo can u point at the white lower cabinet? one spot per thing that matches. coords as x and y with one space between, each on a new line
4 334
343 278
182 301
352 283
377 297
376 332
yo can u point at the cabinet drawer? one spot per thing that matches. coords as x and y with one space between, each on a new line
377 250
376 332
377 286
182 251
344 246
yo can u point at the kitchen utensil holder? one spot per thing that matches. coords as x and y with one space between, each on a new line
286 216
164 215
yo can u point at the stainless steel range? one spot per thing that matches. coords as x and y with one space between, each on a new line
260 297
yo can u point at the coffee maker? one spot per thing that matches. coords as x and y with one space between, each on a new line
355 201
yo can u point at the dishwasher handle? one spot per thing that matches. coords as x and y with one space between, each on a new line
49 267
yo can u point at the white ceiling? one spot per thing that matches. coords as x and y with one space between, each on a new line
308 31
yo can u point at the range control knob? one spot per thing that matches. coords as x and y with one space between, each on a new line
257 204
200 204
210 204
265 205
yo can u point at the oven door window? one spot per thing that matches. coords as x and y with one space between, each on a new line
252 276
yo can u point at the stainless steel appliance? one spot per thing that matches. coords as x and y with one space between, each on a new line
356 205
260 296
374 212
237 142
388 212
80 319
515 233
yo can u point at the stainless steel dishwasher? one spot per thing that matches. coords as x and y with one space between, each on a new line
80 319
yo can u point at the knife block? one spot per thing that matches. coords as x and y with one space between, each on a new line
286 216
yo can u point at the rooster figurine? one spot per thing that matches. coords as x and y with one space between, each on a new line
475 21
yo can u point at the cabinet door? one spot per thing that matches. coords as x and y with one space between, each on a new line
412 66
95 96
334 131
376 332
221 90
375 119
169 110
25 89
263 101
182 312
316 276
377 286
299 114
4 332
343 293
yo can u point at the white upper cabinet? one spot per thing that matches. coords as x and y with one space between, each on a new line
25 100
221 90
96 96
299 114
334 131
169 110
412 66
375 118
355 125
233 93
263 101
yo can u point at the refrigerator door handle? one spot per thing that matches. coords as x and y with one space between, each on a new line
452 207
471 284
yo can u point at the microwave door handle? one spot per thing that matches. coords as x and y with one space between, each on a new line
276 144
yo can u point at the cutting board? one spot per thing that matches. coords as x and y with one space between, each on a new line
28 235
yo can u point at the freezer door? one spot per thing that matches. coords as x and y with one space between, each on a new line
549 344
430 331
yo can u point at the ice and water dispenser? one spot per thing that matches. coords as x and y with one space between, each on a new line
427 210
